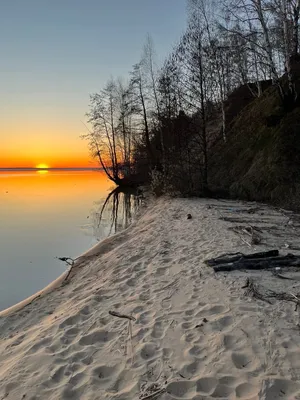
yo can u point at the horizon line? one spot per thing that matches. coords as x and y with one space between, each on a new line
47 169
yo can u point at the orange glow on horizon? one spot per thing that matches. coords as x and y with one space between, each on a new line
25 146
50 161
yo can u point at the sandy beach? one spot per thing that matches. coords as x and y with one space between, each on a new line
194 334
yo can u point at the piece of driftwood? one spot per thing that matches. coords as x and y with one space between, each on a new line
259 264
69 261
117 314
263 260
255 237
232 257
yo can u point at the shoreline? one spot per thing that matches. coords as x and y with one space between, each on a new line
194 332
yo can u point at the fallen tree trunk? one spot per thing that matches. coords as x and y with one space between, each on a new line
264 260
230 258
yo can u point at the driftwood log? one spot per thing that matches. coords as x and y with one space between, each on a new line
263 260
230 258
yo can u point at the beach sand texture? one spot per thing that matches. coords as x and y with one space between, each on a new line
196 335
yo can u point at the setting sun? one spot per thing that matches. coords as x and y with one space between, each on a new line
42 166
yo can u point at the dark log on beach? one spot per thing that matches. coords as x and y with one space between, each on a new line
262 260
259 264
230 258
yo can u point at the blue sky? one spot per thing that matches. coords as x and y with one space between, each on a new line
55 52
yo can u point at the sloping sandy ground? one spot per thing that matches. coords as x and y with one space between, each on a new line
196 335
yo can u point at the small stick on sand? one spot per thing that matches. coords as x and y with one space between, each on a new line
116 314
245 241
69 261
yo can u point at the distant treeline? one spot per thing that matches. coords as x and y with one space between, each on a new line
162 123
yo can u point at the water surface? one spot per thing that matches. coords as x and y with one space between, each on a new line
48 215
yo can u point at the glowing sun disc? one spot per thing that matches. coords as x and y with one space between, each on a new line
42 166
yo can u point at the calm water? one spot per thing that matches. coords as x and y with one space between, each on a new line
48 215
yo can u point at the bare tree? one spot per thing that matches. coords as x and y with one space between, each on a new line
110 138
152 77
139 93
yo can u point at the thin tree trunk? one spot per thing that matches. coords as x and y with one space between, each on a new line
147 135
203 116
258 7
295 40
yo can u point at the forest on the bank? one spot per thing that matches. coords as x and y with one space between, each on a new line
170 124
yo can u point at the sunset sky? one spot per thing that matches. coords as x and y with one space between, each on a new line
54 53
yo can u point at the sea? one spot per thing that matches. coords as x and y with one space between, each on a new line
49 214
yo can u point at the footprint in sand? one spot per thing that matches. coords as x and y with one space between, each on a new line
167 353
41 344
104 375
158 331
138 309
161 271
192 369
134 258
190 337
221 324
246 391
77 379
206 385
166 303
189 313
181 389
69 393
222 391
149 351
99 336
18 341
70 321
198 352
58 374
72 332
145 318
244 361
141 334
145 296
79 356
131 282
85 310
234 342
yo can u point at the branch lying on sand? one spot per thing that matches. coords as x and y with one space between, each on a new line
263 260
116 314
251 231
69 261
254 290
130 319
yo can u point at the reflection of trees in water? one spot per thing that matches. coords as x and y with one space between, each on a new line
116 212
